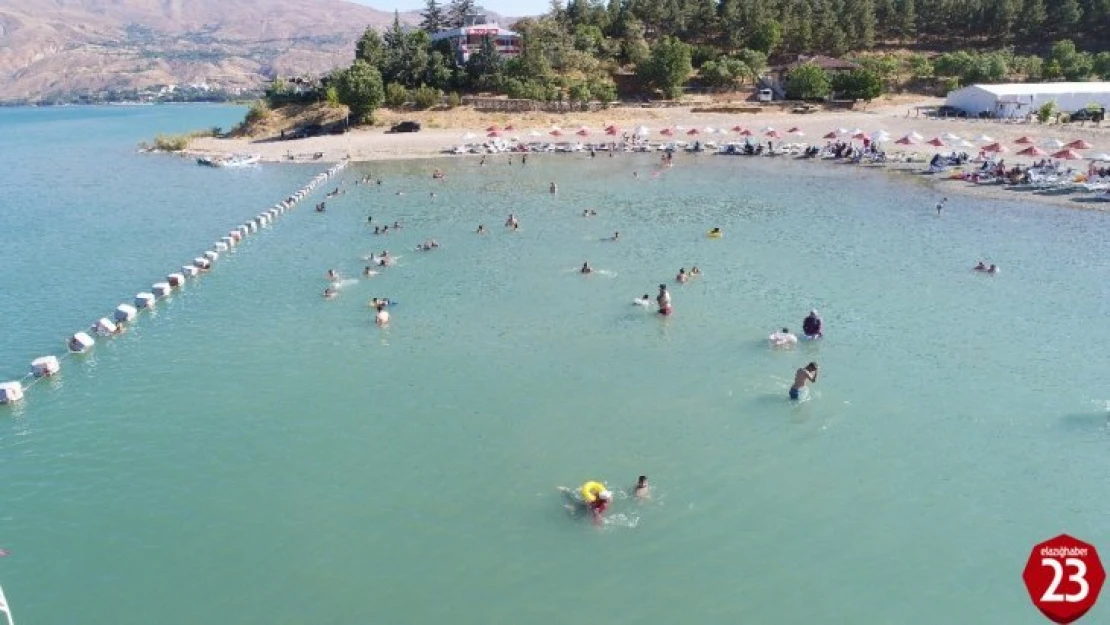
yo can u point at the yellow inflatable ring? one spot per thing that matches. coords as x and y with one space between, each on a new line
591 491
714 234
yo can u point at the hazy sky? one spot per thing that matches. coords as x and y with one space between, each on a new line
504 7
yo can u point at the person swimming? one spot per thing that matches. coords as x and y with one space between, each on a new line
663 300
616 236
330 292
783 338
481 229
512 221
586 268
382 316
553 189
641 491
644 301
715 231
993 269
803 376
368 271
694 271
333 275
681 278
981 266
811 326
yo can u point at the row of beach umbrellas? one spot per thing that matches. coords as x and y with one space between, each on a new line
1066 151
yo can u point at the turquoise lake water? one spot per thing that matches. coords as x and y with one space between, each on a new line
251 453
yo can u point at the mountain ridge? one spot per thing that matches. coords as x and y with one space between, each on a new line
59 48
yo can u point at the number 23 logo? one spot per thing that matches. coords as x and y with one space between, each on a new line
1051 594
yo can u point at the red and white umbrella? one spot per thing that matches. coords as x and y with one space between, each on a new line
937 141
1032 151
583 132
1068 155
666 131
737 129
1079 144
509 128
831 135
493 133
1024 141
860 135
794 131
995 147
692 131
773 134
556 133
492 129
906 140
612 130
746 133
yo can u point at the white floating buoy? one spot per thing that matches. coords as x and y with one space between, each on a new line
190 270
161 289
144 300
10 392
45 365
175 279
105 327
229 241
125 312
219 246
211 256
250 226
80 343
202 263
235 234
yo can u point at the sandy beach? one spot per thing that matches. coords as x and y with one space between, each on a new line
443 130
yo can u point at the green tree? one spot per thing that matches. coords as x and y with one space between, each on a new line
1033 17
807 82
907 26
371 49
459 11
754 61
425 97
766 36
360 88
484 66
667 68
435 19
1064 16
1101 65
859 84
396 95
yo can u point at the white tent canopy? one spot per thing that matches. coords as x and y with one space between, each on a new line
1020 99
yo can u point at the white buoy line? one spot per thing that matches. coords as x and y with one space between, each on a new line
126 313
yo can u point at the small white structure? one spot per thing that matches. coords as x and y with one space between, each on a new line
176 279
211 256
45 365
202 263
229 240
105 327
1021 99
219 246
80 343
161 289
144 300
10 392
125 313
190 270
236 235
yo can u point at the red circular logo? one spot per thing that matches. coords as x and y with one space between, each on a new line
1063 577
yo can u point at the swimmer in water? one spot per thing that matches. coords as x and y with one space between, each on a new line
811 326
663 300
940 206
681 278
332 275
368 271
715 231
585 268
481 229
382 316
981 266
641 491
512 221
694 271
616 236
803 376
553 189
599 505
330 293
644 301
783 338
993 269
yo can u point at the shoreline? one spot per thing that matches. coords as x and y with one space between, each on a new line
445 130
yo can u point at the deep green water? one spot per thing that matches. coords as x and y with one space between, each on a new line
253 454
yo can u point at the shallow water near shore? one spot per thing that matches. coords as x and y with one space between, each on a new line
252 453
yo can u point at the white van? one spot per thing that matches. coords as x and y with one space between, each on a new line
765 95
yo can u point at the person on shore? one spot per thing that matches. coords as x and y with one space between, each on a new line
681 278
663 300
940 206
783 338
586 268
382 316
803 376
811 326
642 491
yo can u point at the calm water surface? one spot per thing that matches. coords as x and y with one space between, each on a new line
251 453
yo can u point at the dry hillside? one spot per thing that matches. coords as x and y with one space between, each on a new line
52 47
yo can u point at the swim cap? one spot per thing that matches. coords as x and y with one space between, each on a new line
605 495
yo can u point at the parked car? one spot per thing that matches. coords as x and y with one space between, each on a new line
1088 115
949 111
406 127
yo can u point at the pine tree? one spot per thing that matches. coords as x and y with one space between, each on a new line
1064 16
457 14
1033 17
907 28
434 18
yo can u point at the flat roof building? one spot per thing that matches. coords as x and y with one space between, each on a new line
1021 99
467 39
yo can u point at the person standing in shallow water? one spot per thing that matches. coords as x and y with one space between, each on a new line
553 189
803 376
663 300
